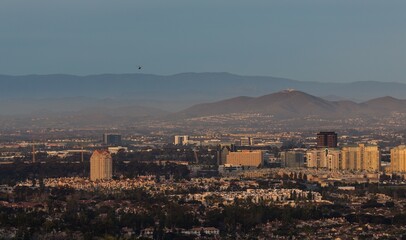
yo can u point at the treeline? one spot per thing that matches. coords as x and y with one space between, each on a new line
95 214
21 171
244 216
101 214
134 168
397 219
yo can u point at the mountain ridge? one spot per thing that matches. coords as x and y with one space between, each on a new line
26 93
285 104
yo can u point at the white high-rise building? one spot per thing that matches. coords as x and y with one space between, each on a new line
362 157
101 165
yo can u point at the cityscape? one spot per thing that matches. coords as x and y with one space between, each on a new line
202 120
96 184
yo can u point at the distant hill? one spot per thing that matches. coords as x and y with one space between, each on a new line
287 104
293 103
25 94
386 104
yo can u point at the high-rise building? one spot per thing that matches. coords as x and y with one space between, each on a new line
334 159
111 139
398 159
362 157
101 165
327 139
317 158
293 159
327 158
246 158
181 140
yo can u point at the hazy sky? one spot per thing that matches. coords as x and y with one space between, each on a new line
319 40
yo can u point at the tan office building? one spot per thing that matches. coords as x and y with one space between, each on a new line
246 158
398 159
101 165
362 157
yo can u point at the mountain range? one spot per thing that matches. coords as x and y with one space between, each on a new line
66 93
292 104
282 105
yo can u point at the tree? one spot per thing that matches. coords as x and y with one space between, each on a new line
310 195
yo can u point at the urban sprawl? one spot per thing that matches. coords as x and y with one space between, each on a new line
287 185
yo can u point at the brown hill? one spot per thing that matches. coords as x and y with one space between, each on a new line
386 104
292 103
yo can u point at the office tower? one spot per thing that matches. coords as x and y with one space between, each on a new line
101 165
292 159
246 158
361 157
327 139
112 139
398 159
181 140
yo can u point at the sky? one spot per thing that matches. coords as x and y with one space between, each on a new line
308 40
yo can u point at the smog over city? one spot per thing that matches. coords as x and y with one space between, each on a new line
202 119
